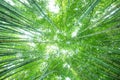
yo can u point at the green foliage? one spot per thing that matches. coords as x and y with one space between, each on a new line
59 39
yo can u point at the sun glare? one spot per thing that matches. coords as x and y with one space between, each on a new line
10 2
53 7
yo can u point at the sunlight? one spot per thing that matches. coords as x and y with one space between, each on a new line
19 55
25 32
111 13
58 77
74 33
55 38
40 17
52 48
26 35
66 65
66 52
53 7
9 67
68 42
43 65
10 2
32 44
67 78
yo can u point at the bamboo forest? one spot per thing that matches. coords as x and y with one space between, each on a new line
59 39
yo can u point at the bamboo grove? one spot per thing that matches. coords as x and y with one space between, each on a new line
59 39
